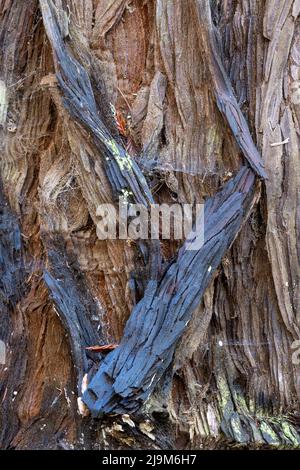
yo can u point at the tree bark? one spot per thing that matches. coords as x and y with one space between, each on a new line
205 339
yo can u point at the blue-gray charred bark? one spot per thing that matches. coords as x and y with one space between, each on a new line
128 375
75 306
78 97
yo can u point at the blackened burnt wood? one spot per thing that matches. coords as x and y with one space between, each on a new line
128 375
12 269
75 307
225 97
78 98
13 274
122 171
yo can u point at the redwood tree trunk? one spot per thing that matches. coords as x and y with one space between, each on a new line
204 88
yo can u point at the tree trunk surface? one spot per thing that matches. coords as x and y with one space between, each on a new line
168 101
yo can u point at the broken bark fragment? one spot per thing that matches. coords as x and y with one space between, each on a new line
105 348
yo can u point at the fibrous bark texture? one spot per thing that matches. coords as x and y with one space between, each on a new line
154 101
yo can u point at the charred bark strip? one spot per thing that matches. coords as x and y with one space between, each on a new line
12 269
75 306
128 375
12 288
122 171
226 100
78 97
